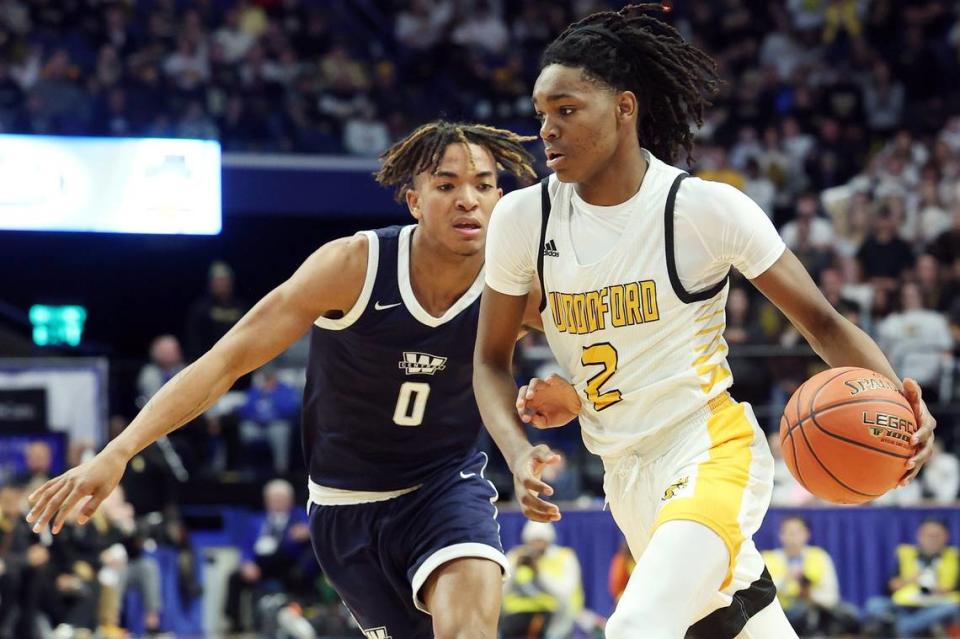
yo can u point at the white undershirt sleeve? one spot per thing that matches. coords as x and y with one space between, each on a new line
717 226
513 239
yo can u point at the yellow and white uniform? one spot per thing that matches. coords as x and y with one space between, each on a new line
634 313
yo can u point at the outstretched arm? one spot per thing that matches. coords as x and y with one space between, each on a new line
788 285
330 280
496 391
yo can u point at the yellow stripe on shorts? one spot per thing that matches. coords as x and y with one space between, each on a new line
721 479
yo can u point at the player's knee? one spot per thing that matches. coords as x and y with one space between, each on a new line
642 621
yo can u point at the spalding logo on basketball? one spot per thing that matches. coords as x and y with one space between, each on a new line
845 435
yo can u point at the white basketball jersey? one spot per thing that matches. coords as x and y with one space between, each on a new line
644 354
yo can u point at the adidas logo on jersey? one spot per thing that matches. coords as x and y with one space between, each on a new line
422 363
377 633
550 249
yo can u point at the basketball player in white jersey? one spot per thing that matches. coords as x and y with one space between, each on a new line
633 262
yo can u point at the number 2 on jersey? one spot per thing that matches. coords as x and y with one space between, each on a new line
411 404
605 355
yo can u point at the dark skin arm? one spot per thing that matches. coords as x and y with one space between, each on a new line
834 338
329 281
500 322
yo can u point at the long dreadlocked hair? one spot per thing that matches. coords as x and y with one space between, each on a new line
423 149
631 51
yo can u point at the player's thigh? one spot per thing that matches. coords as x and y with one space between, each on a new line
453 519
675 579
377 594
464 595
723 483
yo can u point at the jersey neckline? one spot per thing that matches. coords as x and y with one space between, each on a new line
636 200
409 298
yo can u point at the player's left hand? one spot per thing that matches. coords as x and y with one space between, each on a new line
548 403
923 437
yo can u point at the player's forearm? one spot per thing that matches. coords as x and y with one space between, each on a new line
496 394
185 397
841 343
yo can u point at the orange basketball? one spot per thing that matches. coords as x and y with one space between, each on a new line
845 435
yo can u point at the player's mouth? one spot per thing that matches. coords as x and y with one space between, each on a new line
468 228
554 158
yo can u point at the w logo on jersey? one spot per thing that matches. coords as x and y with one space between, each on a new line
422 363
376 633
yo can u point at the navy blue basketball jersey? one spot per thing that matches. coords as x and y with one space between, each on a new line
389 395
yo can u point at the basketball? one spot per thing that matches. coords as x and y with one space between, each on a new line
845 435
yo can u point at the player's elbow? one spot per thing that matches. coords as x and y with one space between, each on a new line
823 326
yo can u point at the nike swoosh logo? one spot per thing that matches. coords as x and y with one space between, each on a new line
382 307
467 475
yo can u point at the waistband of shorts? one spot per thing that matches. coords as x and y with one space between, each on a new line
659 443
329 496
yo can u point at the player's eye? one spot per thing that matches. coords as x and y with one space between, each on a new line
446 186
485 187
566 110
539 116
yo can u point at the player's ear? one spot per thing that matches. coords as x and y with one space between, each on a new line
627 105
413 202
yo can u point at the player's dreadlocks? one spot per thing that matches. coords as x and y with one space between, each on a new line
631 51
423 149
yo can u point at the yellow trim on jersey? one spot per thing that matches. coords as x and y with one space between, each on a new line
721 480
710 373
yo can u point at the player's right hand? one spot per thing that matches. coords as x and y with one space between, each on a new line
528 487
89 483
548 403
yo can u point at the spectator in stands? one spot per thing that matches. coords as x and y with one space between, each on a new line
278 558
806 582
423 23
564 478
946 247
819 232
166 360
70 593
883 100
930 218
787 491
24 568
195 123
545 590
717 167
213 315
38 460
481 28
940 477
917 340
119 546
759 186
930 284
269 414
366 134
884 256
744 329
924 586
621 567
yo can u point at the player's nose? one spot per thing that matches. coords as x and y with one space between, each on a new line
548 130
469 198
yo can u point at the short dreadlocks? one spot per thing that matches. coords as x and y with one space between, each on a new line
630 51
423 149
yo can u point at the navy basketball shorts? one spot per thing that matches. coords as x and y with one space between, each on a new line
379 555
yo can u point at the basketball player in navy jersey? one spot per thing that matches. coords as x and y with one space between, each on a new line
402 519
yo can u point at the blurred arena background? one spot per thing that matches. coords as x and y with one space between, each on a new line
840 118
